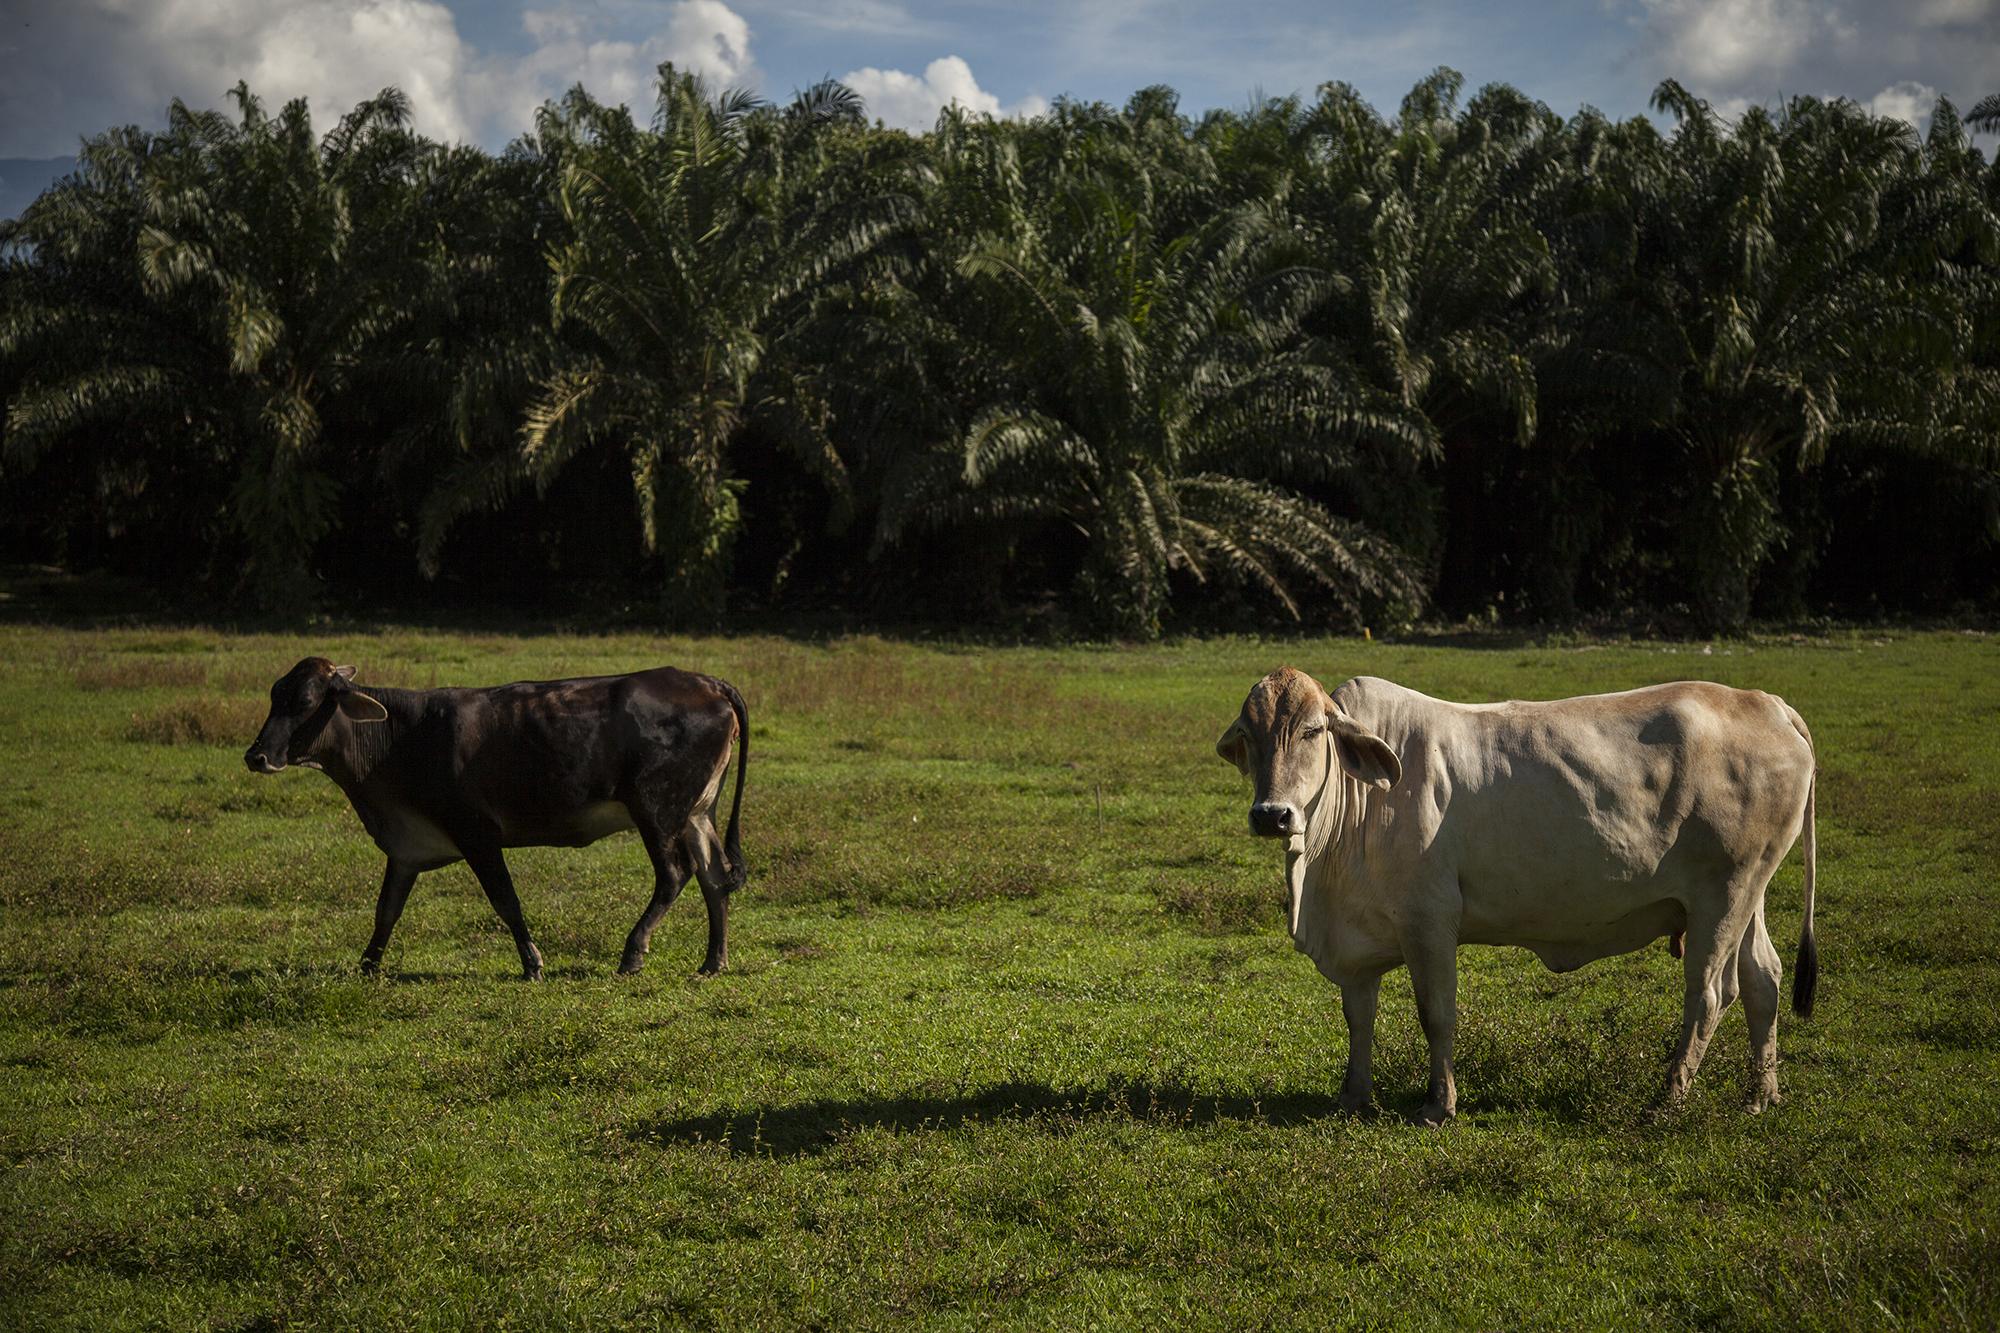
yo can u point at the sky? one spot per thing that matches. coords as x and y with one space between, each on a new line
476 69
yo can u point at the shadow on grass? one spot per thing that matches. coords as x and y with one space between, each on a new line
814 1127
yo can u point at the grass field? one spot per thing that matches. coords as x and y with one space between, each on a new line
1012 1032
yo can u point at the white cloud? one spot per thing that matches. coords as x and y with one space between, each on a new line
1955 13
1908 100
705 37
334 55
912 102
100 62
1723 42
709 37
546 26
96 63
1741 52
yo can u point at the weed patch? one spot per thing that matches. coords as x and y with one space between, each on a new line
231 722
1213 905
140 674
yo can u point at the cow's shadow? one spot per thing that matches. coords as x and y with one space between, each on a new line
807 1128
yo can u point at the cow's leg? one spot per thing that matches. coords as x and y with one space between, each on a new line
1713 935
671 872
1433 961
491 867
672 805
1728 984
711 867
692 845
396 882
1759 972
1357 1005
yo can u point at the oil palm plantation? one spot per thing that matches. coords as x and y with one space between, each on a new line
1435 214
272 269
1291 352
1808 278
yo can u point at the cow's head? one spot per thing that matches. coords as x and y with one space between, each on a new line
303 704
1288 739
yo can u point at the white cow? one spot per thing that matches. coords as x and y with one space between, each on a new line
1578 828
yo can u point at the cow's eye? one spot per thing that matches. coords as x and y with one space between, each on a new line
1313 729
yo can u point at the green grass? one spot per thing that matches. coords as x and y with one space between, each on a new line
1012 1032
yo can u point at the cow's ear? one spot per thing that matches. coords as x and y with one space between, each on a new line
1235 747
344 672
1365 756
361 707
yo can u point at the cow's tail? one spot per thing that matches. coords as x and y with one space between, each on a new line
732 843
1805 974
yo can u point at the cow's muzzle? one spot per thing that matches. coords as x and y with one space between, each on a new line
257 761
1274 819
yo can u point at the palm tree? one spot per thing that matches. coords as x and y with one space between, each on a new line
476 354
110 412
1437 213
1145 392
692 259
1433 219
270 266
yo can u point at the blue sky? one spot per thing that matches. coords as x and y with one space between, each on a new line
476 68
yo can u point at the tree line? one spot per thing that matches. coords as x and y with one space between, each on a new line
1124 370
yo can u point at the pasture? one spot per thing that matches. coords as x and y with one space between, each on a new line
1012 1032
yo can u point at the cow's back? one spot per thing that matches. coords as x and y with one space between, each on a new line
1559 819
551 761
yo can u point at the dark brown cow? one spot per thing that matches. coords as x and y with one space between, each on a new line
445 775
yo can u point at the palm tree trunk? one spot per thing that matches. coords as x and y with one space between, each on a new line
1733 523
698 515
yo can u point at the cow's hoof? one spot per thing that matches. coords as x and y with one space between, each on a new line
371 967
1363 1105
531 974
1762 1100
630 966
710 970
1432 1115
